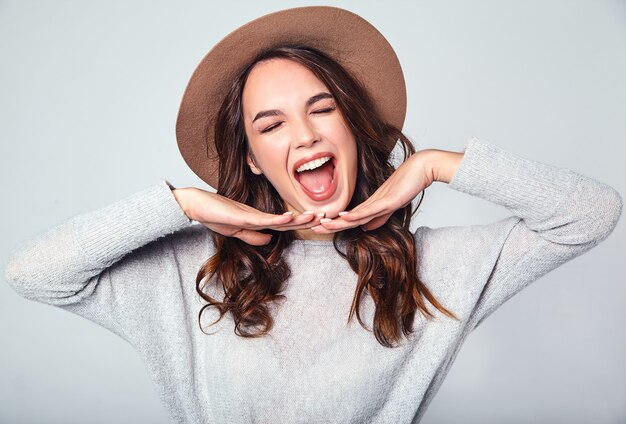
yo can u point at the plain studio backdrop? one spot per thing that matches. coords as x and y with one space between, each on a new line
89 93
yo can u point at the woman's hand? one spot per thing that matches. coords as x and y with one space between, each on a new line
234 219
414 175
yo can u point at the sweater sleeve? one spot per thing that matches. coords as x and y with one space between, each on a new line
558 215
68 266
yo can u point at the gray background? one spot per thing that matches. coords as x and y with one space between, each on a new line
89 96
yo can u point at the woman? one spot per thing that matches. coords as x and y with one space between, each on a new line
297 143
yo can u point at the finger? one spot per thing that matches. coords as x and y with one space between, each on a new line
318 229
256 220
376 222
328 227
230 230
249 236
300 219
298 227
323 229
339 224
369 208
366 224
299 222
254 238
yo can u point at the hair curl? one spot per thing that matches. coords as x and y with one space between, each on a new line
384 259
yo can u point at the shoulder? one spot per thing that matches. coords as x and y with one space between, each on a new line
446 242
455 253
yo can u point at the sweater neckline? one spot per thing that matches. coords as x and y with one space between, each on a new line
314 247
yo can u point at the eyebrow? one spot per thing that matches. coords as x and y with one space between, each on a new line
276 112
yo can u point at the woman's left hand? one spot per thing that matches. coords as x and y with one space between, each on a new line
414 175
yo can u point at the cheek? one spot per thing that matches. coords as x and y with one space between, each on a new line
266 153
348 146
271 157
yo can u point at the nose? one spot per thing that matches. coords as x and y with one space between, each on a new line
304 134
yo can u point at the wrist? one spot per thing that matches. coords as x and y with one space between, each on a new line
443 164
182 197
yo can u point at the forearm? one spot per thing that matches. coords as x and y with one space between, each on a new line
55 266
562 205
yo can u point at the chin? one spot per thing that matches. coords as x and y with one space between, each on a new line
330 208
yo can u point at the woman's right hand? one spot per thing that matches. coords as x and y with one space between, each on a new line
234 219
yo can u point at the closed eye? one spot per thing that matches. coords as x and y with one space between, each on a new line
325 110
270 128
319 111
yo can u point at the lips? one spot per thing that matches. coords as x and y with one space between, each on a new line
325 191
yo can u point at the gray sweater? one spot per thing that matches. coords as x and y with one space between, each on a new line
131 267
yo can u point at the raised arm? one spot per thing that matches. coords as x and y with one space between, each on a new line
69 265
108 264
55 266
558 214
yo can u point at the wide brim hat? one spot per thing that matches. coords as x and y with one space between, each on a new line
346 37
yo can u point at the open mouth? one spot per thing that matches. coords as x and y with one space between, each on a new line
316 175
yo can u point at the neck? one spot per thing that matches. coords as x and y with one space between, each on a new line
312 235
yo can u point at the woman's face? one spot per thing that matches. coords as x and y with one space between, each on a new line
298 138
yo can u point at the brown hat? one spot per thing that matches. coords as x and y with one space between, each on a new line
346 37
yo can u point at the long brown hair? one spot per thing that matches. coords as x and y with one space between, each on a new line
384 259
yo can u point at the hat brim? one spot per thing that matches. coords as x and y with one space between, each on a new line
346 37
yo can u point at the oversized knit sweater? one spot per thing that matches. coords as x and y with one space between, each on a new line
131 267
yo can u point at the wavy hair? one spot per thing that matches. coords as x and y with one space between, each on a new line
385 259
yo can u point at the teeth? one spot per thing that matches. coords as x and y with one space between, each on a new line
316 163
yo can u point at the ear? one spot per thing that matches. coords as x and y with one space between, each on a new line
255 169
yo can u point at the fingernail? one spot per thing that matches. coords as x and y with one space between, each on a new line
343 213
325 220
307 213
288 213
363 228
321 214
316 227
